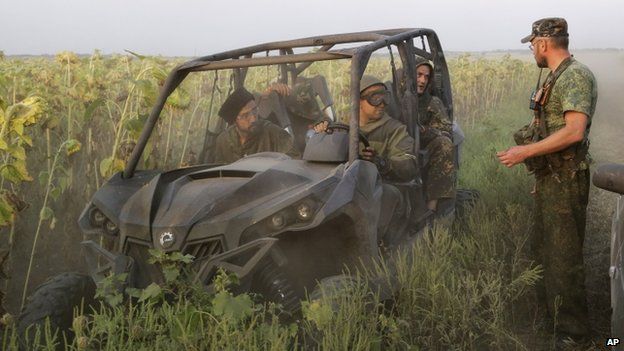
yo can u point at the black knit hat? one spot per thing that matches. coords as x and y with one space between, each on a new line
234 103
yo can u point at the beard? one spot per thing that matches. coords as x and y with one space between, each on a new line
255 128
541 62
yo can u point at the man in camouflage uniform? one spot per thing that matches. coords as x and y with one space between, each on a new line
436 138
391 148
560 161
246 134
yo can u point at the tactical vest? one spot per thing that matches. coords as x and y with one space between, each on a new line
569 158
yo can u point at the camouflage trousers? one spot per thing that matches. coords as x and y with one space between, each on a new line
440 171
557 244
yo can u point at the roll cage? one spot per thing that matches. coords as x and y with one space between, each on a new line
292 64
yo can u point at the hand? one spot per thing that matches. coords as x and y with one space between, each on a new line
368 154
280 88
320 126
427 134
513 155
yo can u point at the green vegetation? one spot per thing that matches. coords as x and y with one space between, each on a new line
457 291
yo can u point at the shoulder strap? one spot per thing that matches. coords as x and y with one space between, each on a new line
547 87
562 67
553 76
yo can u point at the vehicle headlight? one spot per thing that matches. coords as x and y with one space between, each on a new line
96 217
296 214
305 210
110 227
98 220
278 221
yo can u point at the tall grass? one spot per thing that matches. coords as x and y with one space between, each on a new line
456 290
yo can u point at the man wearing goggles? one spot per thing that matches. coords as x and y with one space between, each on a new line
390 144
391 148
435 137
378 97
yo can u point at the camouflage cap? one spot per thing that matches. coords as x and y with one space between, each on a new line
368 81
423 61
547 27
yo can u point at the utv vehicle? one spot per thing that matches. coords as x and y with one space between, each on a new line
282 225
611 177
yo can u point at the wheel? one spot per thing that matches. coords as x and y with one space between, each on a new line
273 285
56 300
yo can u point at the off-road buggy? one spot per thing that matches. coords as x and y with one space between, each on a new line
611 177
281 225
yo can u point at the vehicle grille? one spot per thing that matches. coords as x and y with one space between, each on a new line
145 273
204 249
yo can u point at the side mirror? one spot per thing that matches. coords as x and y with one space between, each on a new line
610 177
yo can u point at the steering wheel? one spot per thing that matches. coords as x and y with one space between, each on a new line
341 126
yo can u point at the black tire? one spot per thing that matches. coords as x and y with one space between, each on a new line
271 282
56 300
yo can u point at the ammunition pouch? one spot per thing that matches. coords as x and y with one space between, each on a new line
529 134
572 158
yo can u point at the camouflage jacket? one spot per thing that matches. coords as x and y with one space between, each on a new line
270 138
574 90
390 140
433 117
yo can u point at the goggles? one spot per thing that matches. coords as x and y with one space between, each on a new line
378 97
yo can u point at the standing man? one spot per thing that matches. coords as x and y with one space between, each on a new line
436 138
558 155
246 134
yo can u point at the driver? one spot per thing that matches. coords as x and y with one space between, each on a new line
246 134
391 147
391 150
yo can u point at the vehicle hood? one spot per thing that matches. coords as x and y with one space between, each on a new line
174 202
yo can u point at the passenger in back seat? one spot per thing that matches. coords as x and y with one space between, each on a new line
436 138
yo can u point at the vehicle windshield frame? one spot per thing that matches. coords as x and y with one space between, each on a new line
294 63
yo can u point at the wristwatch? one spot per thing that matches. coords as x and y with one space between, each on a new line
382 165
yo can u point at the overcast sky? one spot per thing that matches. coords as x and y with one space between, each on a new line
194 27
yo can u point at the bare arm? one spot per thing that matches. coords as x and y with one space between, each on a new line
573 132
